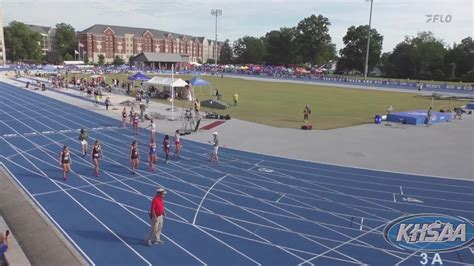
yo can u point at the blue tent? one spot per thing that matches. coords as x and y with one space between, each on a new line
49 68
138 76
197 81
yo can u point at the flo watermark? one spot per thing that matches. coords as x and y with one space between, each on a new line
438 18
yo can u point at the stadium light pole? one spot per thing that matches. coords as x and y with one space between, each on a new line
368 41
216 13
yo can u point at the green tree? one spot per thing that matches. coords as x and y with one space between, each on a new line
118 61
66 41
226 53
462 56
468 77
101 59
210 61
21 43
85 59
313 40
67 57
281 47
249 50
420 57
354 53
384 64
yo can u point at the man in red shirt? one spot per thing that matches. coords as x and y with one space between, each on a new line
157 212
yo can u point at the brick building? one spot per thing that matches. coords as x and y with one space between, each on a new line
48 35
125 42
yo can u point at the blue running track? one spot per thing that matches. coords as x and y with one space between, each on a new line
249 209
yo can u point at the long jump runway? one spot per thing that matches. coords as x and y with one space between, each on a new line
249 209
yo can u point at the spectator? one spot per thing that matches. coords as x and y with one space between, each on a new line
147 99
157 213
389 110
236 98
458 113
215 148
3 246
197 105
306 113
83 137
107 103
428 116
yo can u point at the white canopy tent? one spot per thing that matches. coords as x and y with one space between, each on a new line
168 82
73 63
162 81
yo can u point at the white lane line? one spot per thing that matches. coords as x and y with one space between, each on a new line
401 190
49 216
361 223
283 195
122 205
281 226
205 195
70 196
272 244
394 199
340 245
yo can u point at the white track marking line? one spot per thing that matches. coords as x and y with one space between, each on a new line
204 197
124 242
340 245
401 253
401 190
289 230
270 244
319 224
49 216
323 169
84 208
281 197
171 240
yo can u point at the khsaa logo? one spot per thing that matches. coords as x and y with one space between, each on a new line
430 233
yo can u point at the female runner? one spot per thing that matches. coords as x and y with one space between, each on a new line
65 161
96 154
134 156
152 155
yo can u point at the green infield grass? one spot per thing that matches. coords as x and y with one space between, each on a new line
281 104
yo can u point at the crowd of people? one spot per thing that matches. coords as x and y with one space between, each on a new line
97 152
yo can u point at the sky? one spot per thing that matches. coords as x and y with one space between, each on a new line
393 19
